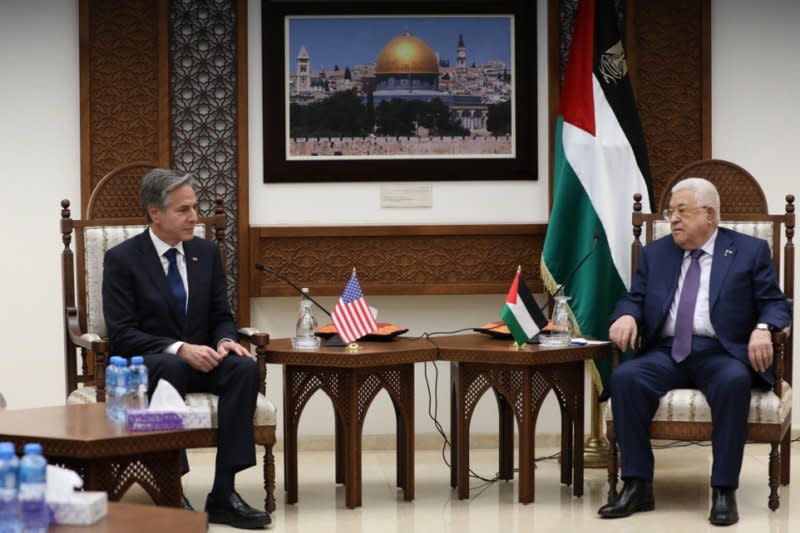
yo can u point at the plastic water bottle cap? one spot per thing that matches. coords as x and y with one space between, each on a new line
33 448
137 360
6 450
121 361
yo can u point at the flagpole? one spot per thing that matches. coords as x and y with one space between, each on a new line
595 449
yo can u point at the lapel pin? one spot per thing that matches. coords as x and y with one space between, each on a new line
195 259
728 252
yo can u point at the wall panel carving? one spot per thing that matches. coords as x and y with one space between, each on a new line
398 259
203 80
121 120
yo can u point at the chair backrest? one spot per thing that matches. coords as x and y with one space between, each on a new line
743 207
82 272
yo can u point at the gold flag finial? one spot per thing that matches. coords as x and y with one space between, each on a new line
519 269
354 271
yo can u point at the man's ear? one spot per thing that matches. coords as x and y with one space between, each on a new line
154 212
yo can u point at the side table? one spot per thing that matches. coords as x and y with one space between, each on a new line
351 380
520 380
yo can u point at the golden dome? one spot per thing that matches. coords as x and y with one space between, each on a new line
406 54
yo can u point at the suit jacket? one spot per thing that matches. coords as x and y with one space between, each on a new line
743 291
138 305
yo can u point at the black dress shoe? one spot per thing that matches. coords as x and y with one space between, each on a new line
723 507
236 513
636 496
185 504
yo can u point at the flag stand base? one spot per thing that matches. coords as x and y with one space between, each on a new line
595 449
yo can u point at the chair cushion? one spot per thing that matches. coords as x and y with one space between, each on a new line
265 414
690 405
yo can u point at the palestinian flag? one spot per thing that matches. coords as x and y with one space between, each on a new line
600 161
521 314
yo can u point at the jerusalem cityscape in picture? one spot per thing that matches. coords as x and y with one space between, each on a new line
394 87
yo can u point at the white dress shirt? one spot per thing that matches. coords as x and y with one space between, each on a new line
702 314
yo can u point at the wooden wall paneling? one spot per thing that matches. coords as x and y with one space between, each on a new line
478 259
123 86
669 44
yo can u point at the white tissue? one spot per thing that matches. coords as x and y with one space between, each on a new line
166 398
61 483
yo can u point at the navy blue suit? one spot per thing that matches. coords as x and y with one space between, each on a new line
141 319
743 291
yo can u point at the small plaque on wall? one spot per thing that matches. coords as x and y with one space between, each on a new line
406 195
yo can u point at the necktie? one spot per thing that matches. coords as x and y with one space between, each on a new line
175 282
684 319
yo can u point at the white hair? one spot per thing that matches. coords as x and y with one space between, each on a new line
705 194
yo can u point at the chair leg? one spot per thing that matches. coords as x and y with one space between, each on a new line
269 478
774 468
613 467
786 456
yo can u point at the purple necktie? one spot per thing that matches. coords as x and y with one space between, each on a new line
684 319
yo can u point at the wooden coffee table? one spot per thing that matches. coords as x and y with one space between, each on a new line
106 455
351 380
132 518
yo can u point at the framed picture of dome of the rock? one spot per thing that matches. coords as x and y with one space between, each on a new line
412 90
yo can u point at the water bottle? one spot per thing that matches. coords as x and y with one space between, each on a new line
139 382
117 387
32 488
305 338
9 489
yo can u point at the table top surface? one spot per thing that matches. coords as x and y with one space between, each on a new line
128 517
87 426
396 351
480 348
468 348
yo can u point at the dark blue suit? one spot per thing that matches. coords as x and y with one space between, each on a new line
141 319
743 291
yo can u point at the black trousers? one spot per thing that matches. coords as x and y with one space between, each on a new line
235 381
637 386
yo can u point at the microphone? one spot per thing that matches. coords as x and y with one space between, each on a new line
574 271
264 268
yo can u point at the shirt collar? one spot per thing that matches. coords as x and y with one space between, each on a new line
708 247
161 246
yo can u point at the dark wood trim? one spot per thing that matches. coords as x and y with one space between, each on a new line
705 70
164 118
397 260
243 191
84 51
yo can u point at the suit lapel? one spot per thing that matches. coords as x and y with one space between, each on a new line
672 264
724 256
192 264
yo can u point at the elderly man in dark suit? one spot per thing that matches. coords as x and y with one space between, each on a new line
704 301
165 297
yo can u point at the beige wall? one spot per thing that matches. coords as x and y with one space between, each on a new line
755 82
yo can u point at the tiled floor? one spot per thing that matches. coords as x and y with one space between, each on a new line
681 490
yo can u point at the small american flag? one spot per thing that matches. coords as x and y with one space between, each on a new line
351 315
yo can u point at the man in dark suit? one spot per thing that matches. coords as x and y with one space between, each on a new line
704 301
165 297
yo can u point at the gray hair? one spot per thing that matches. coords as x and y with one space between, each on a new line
705 194
156 186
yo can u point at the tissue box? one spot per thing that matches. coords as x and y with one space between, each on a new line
148 420
82 508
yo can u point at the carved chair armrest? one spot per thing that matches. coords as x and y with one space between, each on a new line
259 340
779 340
